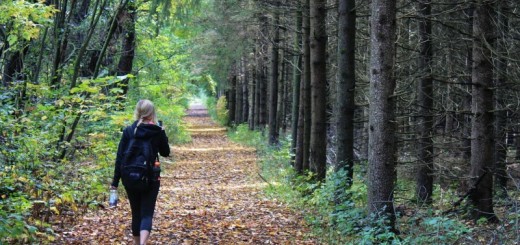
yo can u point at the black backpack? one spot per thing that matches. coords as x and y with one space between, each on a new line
136 167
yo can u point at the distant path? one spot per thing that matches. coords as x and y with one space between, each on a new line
210 194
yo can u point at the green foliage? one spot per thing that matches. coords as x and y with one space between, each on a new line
218 46
274 163
57 146
222 112
36 184
211 104
23 20
171 115
443 230
338 214
165 77
245 136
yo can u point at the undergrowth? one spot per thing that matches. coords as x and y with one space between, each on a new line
338 214
39 190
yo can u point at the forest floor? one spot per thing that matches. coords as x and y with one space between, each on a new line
210 194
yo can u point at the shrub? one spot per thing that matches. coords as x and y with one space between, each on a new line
221 111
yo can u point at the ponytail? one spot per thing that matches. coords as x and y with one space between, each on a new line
138 123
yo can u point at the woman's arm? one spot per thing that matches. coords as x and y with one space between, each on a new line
164 147
123 143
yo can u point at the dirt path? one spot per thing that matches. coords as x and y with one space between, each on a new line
210 194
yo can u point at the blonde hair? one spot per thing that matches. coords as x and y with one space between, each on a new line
144 110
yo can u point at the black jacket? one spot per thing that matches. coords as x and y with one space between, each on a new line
146 131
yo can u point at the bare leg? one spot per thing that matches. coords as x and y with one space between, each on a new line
144 236
136 240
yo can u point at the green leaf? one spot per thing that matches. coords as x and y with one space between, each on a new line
12 40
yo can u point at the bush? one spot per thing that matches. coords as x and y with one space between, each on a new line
211 104
221 111
217 109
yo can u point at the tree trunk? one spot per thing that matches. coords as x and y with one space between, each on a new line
253 115
238 94
126 60
346 87
83 49
382 142
466 126
13 67
262 78
282 98
245 92
62 40
263 98
500 101
232 99
300 132
273 95
318 39
297 75
111 31
306 85
258 88
482 111
38 67
425 102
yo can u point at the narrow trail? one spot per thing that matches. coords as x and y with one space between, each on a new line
210 194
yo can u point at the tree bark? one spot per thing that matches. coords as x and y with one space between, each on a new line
282 92
253 109
238 94
273 94
382 142
482 141
306 85
245 91
258 87
297 75
262 75
500 101
62 31
126 60
346 87
232 99
243 98
466 126
425 102
298 158
318 39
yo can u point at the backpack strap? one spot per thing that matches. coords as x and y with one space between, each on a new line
132 131
128 130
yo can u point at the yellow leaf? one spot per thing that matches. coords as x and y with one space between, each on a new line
55 210
22 179
51 238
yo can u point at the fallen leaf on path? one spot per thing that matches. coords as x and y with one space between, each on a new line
210 194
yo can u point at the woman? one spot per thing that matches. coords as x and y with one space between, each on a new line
142 203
